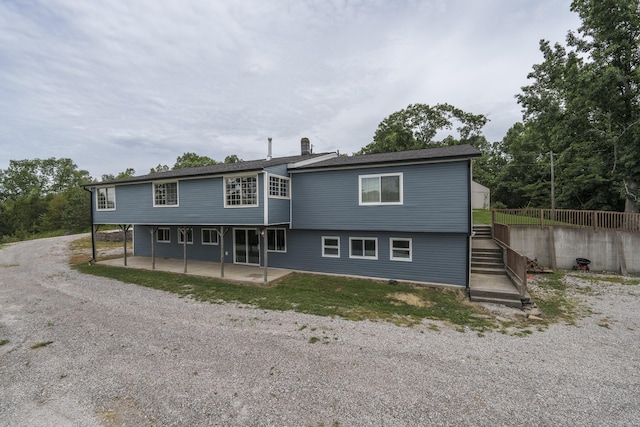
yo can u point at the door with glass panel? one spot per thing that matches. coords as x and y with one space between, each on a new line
246 242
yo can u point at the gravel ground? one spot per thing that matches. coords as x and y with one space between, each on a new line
127 355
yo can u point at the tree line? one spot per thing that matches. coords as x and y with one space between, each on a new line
581 118
42 196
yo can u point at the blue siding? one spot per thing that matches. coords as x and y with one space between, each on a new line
196 251
437 257
279 211
201 201
435 199
281 170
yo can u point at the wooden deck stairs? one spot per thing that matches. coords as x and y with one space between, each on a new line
489 281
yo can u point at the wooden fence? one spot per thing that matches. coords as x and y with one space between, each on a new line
516 263
596 220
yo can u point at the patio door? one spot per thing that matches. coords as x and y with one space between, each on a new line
246 244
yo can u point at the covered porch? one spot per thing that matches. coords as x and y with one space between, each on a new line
231 272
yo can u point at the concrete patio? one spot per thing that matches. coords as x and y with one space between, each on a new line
234 272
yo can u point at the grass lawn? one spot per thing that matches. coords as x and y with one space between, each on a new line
481 216
354 299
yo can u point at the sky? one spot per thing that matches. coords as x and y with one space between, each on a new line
136 83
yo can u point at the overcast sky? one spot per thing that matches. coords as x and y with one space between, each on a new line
136 83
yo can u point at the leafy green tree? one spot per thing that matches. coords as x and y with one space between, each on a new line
39 195
416 127
40 176
584 102
127 173
191 160
233 158
159 168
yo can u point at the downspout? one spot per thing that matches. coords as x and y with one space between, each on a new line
470 229
93 234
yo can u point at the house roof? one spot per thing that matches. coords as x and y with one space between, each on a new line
305 162
219 168
454 152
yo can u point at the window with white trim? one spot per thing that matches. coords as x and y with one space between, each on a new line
189 235
278 186
383 189
363 247
331 246
164 235
209 236
276 240
241 191
165 194
106 199
400 249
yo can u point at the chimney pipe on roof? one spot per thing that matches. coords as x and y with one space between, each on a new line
269 153
305 146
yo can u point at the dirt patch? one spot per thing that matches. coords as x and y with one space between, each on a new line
410 299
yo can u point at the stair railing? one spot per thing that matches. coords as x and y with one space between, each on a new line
516 263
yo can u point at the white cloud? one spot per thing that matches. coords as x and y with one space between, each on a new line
136 83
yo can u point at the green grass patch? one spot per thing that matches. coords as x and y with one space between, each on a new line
349 298
481 216
621 280
3 342
553 281
41 344
556 300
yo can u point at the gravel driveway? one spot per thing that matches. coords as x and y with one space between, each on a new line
127 355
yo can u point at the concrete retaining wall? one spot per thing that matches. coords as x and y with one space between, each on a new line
608 250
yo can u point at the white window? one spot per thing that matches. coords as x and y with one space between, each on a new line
331 246
164 235
241 191
209 236
278 186
385 189
106 199
165 194
189 235
400 249
276 240
362 247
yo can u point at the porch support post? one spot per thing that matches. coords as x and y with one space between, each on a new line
221 237
266 259
153 230
124 228
184 245
94 231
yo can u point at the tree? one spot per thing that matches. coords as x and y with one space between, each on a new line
191 160
127 173
417 125
159 168
233 158
585 102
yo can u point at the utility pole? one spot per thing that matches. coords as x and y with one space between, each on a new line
553 186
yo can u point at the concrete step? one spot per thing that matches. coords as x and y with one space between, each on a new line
496 265
486 250
486 270
486 256
516 303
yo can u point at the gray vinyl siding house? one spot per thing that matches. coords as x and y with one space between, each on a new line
401 216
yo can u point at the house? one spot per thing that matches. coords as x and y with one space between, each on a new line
401 216
480 196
